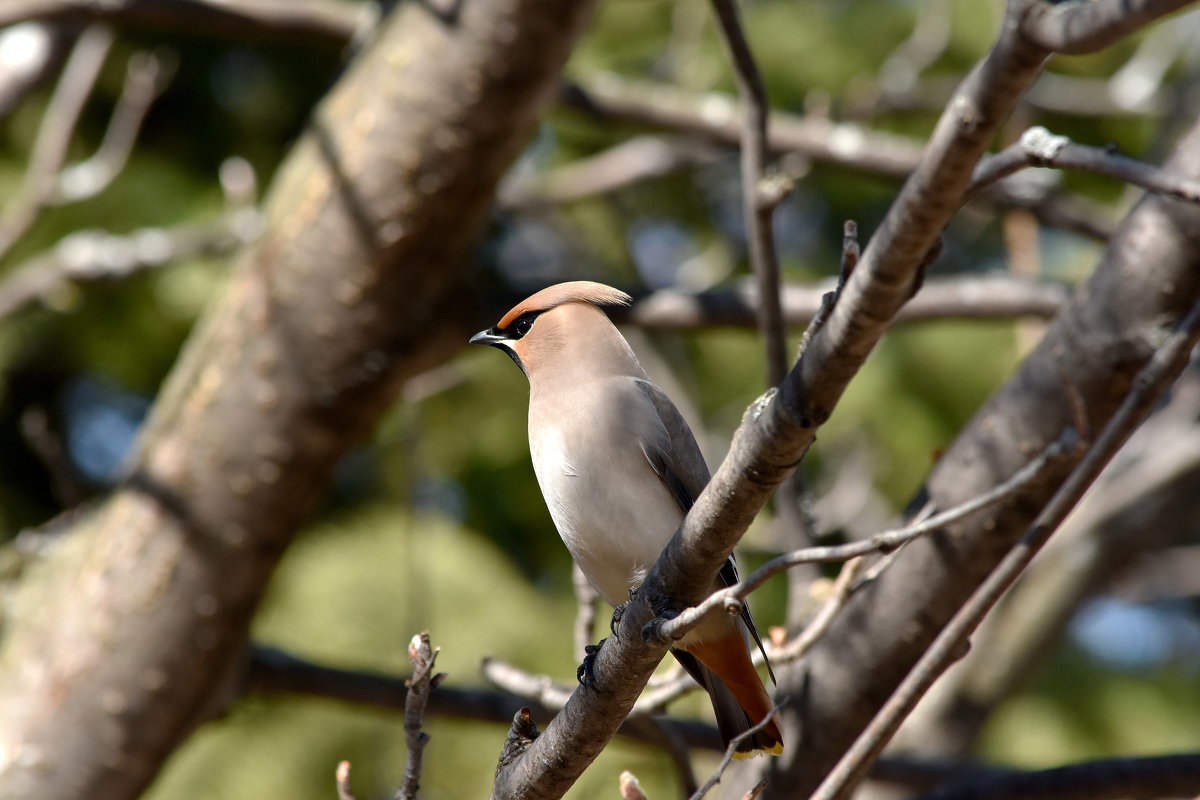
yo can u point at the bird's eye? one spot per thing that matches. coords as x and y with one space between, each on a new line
522 325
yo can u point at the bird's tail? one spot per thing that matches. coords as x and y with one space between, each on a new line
738 706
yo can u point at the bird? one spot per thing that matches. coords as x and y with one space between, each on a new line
619 468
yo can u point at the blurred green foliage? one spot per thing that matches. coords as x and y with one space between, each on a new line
437 523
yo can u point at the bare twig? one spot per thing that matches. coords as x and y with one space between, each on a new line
343 781
713 117
1151 381
46 443
1037 147
756 209
927 41
54 134
730 751
992 296
147 75
755 790
629 162
423 681
91 255
815 629
630 787
656 699
541 688
731 597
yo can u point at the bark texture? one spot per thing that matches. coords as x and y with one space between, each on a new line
131 629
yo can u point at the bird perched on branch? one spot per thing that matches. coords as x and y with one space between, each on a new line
619 468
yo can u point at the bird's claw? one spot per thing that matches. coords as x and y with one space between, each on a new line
619 612
586 673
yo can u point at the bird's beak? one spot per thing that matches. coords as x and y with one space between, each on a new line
490 336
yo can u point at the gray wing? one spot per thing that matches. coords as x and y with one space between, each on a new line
676 459
680 465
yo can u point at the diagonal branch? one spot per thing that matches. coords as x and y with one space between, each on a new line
1078 28
1148 386
54 135
1037 147
731 598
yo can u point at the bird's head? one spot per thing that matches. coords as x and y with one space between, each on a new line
547 324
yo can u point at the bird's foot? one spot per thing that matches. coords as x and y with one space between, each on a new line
586 673
619 612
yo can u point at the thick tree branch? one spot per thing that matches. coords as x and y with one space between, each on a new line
1077 28
326 23
132 631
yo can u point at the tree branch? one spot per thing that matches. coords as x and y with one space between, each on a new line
315 22
93 255
1037 147
146 75
757 208
1078 28
991 296
713 118
1104 779
731 598
54 135
273 672
424 680
947 647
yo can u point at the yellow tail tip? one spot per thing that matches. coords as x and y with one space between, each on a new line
774 750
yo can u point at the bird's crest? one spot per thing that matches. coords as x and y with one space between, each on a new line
570 292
